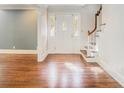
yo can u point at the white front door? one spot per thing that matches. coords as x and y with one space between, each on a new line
64 40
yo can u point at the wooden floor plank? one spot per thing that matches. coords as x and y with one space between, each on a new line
60 71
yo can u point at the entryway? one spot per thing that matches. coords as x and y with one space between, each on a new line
64 33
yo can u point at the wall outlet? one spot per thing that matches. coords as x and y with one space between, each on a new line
13 47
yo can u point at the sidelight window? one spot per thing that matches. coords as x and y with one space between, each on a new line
52 25
76 25
64 25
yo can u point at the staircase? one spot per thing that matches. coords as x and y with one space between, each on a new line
90 51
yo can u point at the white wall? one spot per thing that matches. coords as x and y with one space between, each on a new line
111 42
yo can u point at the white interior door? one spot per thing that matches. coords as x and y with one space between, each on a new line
64 40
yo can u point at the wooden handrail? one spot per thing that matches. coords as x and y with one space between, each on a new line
97 14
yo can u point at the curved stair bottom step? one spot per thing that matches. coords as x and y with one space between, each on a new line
89 58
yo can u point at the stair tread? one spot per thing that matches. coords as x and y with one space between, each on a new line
85 54
90 57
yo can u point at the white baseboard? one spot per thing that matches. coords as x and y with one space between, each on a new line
13 51
42 56
64 53
118 77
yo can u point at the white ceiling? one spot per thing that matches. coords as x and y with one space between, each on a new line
32 6
18 6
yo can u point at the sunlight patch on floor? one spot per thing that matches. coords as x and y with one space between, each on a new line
53 74
73 67
96 70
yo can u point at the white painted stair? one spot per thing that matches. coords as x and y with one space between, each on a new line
89 58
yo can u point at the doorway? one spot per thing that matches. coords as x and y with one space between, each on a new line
64 33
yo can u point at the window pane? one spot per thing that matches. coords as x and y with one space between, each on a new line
64 25
76 25
52 25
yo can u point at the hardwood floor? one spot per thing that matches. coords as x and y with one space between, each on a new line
56 71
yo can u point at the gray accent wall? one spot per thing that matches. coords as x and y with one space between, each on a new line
18 28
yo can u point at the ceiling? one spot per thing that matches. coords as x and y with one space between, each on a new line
33 6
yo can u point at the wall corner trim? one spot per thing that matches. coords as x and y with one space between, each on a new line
42 56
